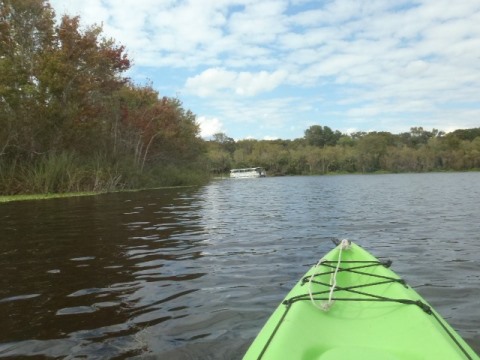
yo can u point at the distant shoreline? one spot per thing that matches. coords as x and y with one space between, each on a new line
25 197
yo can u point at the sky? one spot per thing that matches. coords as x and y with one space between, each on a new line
270 69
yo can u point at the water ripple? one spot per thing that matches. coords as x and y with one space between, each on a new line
195 272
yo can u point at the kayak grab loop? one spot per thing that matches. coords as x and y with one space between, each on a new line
325 306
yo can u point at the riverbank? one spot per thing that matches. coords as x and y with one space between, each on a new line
23 197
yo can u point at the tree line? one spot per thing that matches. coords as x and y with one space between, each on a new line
323 150
71 121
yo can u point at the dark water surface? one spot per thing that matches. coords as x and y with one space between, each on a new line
193 273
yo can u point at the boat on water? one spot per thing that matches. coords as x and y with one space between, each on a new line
254 172
352 306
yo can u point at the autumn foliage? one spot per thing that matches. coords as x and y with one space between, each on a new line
63 95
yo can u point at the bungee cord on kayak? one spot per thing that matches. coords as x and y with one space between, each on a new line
325 306
355 267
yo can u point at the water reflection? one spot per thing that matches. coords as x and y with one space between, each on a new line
82 277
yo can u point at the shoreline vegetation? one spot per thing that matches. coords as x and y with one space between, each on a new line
324 151
27 197
71 122
12 198
47 196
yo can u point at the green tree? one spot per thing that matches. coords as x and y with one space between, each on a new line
26 36
467 134
372 149
219 161
157 131
78 78
474 153
418 136
226 143
321 136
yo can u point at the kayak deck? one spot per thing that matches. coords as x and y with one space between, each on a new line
374 315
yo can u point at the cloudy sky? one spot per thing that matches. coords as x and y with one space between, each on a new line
269 69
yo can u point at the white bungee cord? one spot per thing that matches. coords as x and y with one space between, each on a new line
325 306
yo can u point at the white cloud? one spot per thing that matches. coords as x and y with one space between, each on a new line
261 22
365 111
215 80
209 126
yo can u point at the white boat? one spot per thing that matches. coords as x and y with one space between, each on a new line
255 172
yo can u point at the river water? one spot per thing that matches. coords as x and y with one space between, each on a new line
193 273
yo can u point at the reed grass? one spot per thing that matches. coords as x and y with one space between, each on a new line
67 173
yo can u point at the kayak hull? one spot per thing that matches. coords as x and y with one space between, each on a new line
375 315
